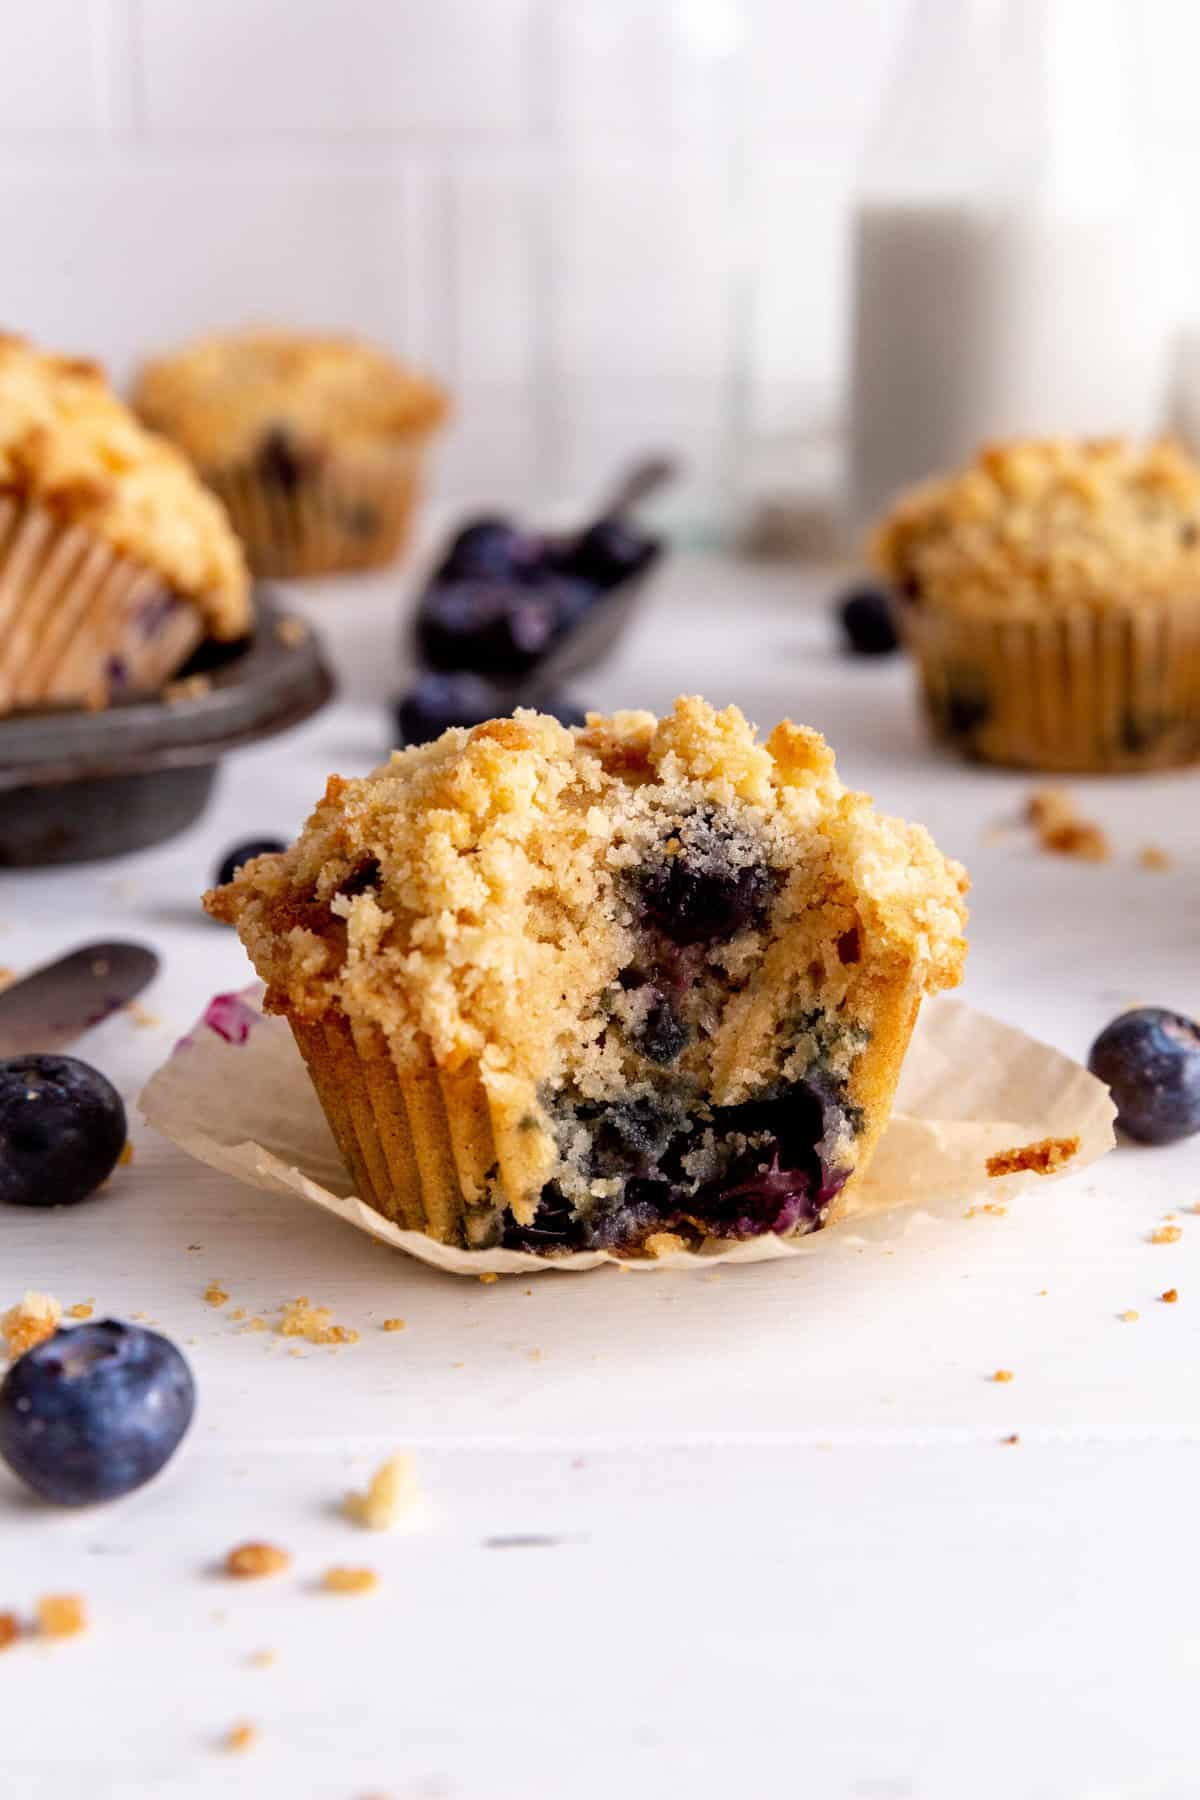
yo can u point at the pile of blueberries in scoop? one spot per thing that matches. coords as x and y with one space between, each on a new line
499 610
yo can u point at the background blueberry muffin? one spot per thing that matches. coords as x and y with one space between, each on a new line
632 986
1051 594
315 444
115 562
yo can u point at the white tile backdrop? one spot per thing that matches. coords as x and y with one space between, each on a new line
605 222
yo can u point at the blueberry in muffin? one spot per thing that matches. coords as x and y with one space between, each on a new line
643 984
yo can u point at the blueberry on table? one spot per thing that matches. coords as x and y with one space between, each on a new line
609 552
436 701
95 1411
233 859
491 549
868 622
1150 1060
62 1128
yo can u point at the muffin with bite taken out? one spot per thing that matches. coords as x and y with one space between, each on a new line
639 985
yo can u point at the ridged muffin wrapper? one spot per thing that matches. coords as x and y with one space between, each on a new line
79 623
1078 692
235 1095
352 509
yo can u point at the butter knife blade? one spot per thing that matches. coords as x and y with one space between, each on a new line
53 1006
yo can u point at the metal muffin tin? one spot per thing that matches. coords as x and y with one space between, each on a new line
76 786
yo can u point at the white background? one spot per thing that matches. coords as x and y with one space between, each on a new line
532 197
793 1557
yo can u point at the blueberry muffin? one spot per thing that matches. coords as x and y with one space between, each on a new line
637 985
1051 594
115 562
315 444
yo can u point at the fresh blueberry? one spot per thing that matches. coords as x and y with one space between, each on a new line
609 552
867 621
1150 1059
492 628
244 853
491 549
436 701
62 1128
94 1412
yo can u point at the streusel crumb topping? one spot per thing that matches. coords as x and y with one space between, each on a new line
1031 526
68 442
466 894
218 396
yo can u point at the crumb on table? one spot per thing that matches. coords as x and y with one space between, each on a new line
1129 1316
248 1561
10 1629
1041 1158
241 1736
394 1324
391 1493
488 1277
291 631
82 1309
1012 1438
1170 1295
1166 1234
1001 1375
31 1321
61 1615
126 1156
1152 856
1061 830
262 1659
343 1580
988 1206
313 1323
215 1294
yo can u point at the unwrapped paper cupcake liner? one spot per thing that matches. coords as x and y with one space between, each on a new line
1077 693
353 510
79 624
235 1095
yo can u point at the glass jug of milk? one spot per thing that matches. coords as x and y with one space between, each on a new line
1004 281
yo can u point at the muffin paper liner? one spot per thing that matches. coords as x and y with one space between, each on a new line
1076 693
80 624
351 512
234 1094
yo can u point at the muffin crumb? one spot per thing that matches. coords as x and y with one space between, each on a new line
31 1321
215 1294
313 1323
394 1324
1012 1438
249 1561
1166 1234
1044 1157
126 1156
488 1277
343 1580
10 1629
291 631
1061 830
1152 856
1130 1316
1170 1295
1001 1375
61 1615
82 1309
262 1659
390 1495
242 1736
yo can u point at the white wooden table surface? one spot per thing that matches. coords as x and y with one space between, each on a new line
781 1546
